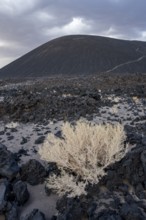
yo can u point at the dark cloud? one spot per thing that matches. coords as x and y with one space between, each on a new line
25 25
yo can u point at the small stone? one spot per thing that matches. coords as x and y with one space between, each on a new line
8 133
21 192
24 141
35 215
2 132
40 140
10 137
58 134
14 130
4 187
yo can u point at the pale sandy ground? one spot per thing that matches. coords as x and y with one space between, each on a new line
120 111
39 200
28 131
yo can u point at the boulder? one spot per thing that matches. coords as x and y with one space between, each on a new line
21 192
33 172
4 189
12 211
8 165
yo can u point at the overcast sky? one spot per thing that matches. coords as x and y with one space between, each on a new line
26 24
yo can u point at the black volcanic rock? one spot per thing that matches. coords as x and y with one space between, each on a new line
8 164
79 54
33 172
21 192
12 212
4 188
35 215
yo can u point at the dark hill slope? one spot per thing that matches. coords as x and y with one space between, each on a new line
80 54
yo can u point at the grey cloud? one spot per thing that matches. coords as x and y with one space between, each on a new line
25 25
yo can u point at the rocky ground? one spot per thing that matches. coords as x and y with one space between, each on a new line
31 109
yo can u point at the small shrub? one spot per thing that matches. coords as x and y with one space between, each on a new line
82 154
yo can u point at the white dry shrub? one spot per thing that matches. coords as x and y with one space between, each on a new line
85 150
66 184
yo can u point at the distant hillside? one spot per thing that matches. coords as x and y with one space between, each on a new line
80 54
